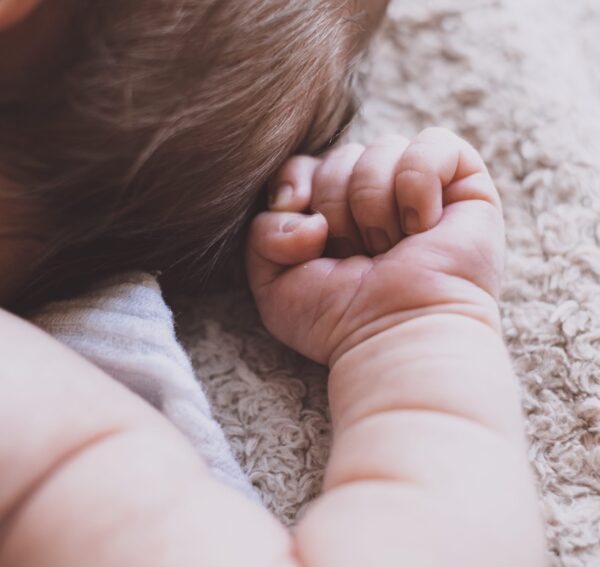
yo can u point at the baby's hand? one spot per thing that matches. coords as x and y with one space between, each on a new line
408 229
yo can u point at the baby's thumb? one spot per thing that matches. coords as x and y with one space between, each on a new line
278 241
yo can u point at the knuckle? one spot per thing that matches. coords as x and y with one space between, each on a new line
418 148
375 169
330 183
366 172
361 195
326 174
416 176
323 179
330 187
417 186
415 159
338 163
337 215
331 209
295 164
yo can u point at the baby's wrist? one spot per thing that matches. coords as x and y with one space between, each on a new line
484 311
440 363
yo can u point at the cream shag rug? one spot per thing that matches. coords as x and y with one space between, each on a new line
521 80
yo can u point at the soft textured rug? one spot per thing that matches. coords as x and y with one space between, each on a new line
521 80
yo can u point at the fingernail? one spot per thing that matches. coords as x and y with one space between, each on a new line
378 241
340 247
282 197
411 220
291 225
304 220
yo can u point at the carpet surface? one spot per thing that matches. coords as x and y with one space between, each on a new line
520 79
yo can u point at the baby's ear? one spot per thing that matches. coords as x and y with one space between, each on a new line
14 11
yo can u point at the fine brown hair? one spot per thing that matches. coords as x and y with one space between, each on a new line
152 146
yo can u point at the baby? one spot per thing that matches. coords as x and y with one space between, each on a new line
381 262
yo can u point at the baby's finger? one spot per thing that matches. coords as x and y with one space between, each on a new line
330 198
292 188
434 160
280 240
372 196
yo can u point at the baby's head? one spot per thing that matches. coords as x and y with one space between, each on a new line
149 142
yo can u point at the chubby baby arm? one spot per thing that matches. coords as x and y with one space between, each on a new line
428 465
426 468
91 475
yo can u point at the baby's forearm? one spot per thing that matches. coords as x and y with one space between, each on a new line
428 465
447 364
